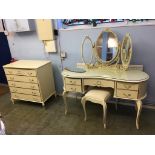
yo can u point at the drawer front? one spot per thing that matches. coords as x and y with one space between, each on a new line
24 91
99 83
128 86
22 78
71 81
20 72
127 94
73 88
26 97
23 85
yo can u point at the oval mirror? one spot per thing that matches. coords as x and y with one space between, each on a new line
106 47
87 50
126 51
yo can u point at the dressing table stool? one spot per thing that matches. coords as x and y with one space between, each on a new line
99 96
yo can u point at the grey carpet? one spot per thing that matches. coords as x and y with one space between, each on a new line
27 118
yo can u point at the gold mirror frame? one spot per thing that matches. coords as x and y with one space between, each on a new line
114 59
87 38
126 55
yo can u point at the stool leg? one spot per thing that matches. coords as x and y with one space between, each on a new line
104 113
83 101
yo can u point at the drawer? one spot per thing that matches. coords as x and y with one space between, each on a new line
73 88
26 97
22 78
73 81
24 91
20 72
128 86
99 83
127 94
23 85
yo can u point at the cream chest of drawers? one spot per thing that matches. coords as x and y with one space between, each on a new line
30 80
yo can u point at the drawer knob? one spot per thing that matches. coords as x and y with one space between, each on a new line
127 86
11 78
127 95
10 72
98 82
29 73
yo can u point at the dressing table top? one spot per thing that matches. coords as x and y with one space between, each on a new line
110 74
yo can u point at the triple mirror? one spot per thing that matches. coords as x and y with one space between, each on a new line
107 49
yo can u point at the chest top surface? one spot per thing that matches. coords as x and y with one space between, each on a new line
27 64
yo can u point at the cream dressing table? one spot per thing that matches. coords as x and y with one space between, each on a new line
127 83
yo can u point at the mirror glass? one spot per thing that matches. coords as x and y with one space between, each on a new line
126 51
126 48
87 50
107 46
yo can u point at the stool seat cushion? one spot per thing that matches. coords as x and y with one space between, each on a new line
97 95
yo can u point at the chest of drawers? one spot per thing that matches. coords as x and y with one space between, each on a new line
30 80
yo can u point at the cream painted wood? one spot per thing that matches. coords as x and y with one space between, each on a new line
127 94
139 108
99 83
30 80
99 97
73 81
23 85
22 78
20 72
73 88
130 84
25 91
26 97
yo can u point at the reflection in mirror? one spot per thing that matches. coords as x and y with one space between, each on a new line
87 50
126 51
107 46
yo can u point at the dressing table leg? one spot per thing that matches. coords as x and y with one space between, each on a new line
13 101
64 98
139 108
83 101
104 113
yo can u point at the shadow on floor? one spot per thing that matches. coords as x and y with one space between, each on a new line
27 118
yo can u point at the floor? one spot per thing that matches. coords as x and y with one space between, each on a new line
27 118
3 89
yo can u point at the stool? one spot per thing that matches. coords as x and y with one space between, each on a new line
99 96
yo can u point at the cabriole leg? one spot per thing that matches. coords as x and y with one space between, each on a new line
139 108
104 113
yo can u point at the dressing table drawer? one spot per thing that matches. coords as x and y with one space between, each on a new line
22 78
71 81
20 72
127 86
24 91
127 94
99 83
23 85
73 88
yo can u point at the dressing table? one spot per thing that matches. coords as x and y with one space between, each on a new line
105 70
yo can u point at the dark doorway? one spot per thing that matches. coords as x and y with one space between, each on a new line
5 56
